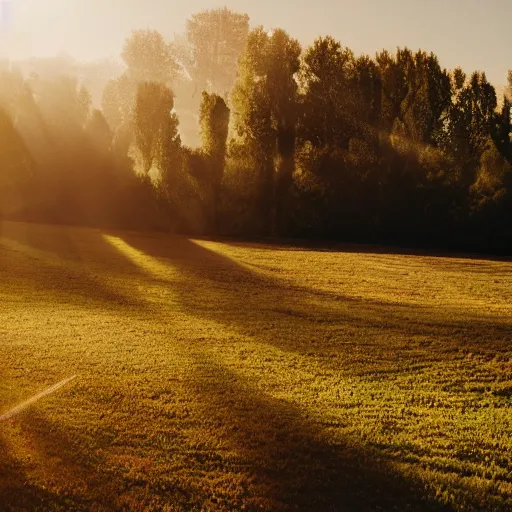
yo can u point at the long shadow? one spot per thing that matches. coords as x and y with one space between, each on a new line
292 464
58 271
296 467
17 493
48 239
61 465
68 474
228 281
365 334
218 288
366 248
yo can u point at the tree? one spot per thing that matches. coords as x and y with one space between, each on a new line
170 154
325 73
154 120
283 65
427 103
394 86
470 123
149 57
338 134
491 173
365 98
253 121
16 166
214 120
118 101
266 101
217 38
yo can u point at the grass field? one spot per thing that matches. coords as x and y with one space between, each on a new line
227 376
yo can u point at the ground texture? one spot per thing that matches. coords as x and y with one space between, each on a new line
225 376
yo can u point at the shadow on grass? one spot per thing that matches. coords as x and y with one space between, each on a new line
49 239
62 474
294 466
365 248
57 270
19 493
216 287
291 464
286 463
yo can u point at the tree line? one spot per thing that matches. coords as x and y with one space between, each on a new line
312 142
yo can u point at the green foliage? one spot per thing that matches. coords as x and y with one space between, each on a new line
155 125
490 194
266 104
149 57
328 99
214 120
239 206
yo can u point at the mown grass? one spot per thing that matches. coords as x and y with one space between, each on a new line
223 376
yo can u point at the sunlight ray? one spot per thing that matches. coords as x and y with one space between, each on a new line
148 263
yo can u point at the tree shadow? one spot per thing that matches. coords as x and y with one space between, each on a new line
285 462
17 493
49 239
57 270
344 334
293 466
216 287
62 474
365 248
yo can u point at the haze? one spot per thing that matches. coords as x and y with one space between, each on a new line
468 33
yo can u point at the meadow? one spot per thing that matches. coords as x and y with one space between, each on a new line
223 376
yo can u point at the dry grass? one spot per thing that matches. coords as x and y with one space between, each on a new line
221 376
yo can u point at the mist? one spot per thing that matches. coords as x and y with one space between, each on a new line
93 29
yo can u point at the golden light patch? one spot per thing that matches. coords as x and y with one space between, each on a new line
144 261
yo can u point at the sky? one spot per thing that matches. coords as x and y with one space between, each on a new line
474 34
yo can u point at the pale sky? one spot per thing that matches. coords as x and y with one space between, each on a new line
474 34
